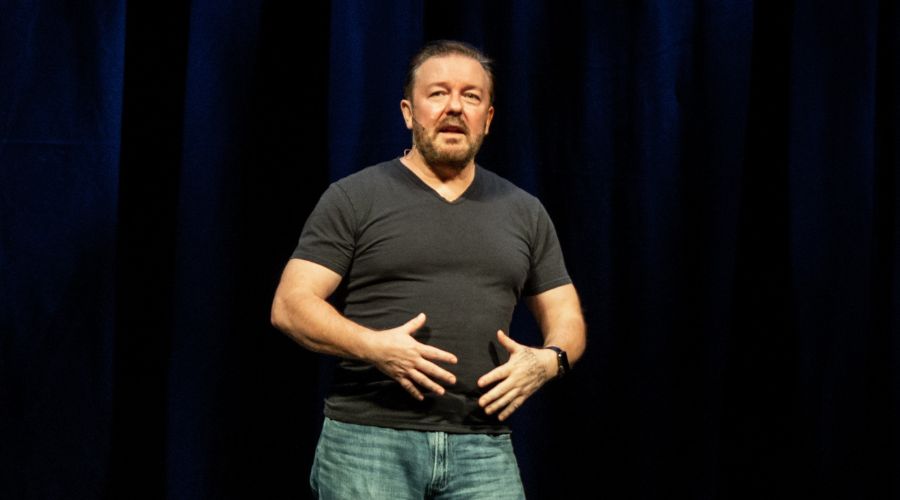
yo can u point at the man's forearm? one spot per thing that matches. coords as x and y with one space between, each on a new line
316 325
558 312
568 333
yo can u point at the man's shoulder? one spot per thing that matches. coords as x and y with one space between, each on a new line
364 188
368 177
499 185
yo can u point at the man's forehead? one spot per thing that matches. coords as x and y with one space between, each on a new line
451 67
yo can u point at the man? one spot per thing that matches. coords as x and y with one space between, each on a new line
432 253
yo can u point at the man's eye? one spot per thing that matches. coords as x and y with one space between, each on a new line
473 97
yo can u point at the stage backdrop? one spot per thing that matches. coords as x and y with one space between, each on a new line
722 175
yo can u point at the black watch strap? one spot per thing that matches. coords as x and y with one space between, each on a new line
562 360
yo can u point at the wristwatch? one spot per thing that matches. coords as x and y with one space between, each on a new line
562 361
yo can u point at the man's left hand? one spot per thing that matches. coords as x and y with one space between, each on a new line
525 372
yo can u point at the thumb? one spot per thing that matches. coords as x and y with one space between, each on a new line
414 324
507 343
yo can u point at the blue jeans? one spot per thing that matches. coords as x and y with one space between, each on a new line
359 462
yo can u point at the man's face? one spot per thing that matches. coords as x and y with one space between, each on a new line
450 112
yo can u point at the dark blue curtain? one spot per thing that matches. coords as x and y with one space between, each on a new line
722 176
61 68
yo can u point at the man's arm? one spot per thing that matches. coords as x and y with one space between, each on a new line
301 311
558 313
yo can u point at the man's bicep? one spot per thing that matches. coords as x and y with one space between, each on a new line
301 275
559 300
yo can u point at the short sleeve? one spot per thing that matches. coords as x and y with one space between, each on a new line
548 268
329 235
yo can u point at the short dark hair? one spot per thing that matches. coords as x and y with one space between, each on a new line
440 48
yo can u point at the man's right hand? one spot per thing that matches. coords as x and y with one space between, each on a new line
398 355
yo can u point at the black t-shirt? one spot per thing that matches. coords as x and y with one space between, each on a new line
402 249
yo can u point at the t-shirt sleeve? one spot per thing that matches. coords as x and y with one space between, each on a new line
329 235
548 268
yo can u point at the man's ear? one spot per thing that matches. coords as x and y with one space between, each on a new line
406 109
487 122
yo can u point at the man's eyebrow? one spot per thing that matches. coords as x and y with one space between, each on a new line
467 86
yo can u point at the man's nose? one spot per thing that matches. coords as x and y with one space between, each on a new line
454 106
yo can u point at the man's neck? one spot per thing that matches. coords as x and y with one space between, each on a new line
449 182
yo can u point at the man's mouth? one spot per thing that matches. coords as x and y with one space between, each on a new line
452 129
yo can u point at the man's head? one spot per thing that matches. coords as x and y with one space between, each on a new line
441 48
447 102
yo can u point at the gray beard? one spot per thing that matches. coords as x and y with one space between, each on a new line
456 160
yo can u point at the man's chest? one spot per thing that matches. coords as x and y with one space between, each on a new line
483 242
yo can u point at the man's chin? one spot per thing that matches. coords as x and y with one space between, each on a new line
450 145
454 152
452 159
457 154
457 162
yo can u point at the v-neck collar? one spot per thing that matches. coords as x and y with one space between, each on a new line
424 185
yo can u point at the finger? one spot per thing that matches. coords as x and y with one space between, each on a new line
434 371
502 402
494 394
495 375
507 342
425 382
414 324
515 405
435 354
411 388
